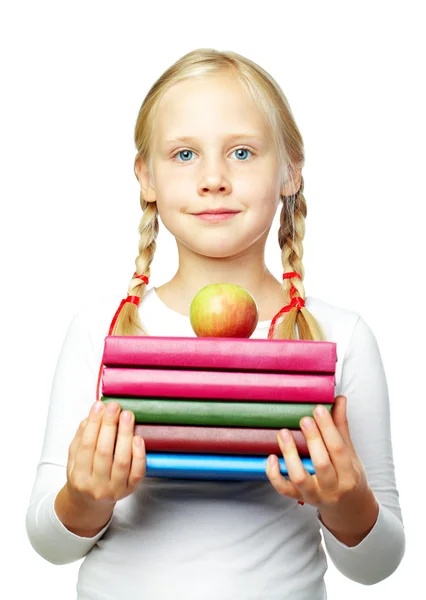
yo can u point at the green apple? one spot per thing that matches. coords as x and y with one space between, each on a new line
223 310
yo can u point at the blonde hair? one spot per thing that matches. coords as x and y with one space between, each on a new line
280 124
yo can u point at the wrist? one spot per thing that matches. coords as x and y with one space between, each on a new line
83 517
86 504
351 520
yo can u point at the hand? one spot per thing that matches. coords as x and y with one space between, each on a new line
338 469
105 465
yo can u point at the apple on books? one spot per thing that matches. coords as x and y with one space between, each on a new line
223 310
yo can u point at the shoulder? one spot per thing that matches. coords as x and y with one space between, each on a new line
95 316
343 322
98 312
337 321
93 319
343 326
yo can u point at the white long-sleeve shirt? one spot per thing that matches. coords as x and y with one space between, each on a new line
216 540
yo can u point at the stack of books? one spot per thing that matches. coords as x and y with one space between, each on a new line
210 407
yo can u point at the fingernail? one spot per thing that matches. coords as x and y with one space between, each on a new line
285 435
320 411
307 423
112 409
98 406
126 416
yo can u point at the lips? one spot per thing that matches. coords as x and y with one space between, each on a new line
222 212
216 216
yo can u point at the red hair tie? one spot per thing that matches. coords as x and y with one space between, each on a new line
295 302
287 276
143 277
134 300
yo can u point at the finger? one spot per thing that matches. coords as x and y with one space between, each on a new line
83 461
300 478
75 444
337 449
123 450
103 457
325 472
282 485
138 466
339 414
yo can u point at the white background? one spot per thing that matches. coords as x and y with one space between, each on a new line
74 75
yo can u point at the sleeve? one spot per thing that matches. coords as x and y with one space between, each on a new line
73 393
364 385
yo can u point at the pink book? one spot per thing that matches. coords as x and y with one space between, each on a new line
206 353
215 440
226 385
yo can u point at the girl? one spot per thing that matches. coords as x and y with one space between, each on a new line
215 132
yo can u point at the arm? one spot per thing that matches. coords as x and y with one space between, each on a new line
373 548
72 394
80 519
353 519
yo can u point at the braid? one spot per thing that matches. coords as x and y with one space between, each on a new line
128 321
290 238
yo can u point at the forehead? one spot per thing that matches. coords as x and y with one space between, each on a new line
206 107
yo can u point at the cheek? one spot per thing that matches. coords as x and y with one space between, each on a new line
176 194
170 200
264 203
171 215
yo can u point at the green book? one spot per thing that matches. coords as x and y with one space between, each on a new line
210 412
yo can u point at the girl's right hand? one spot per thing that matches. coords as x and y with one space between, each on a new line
106 461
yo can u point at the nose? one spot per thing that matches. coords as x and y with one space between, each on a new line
213 188
215 179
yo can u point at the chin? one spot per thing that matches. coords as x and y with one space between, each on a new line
218 249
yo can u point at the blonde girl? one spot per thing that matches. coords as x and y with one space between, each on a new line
216 133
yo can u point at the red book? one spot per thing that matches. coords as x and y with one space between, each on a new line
225 385
242 354
216 440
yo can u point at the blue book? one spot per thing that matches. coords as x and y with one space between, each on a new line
213 466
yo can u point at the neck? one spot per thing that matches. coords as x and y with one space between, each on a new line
196 271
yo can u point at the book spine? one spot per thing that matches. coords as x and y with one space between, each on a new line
221 353
273 387
215 440
206 466
233 414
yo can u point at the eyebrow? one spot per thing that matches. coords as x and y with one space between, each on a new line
231 136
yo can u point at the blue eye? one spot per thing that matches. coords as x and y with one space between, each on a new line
242 150
186 151
181 152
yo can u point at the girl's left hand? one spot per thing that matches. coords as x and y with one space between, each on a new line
338 469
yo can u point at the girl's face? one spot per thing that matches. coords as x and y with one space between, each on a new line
213 168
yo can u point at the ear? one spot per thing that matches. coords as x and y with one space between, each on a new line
292 185
148 192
